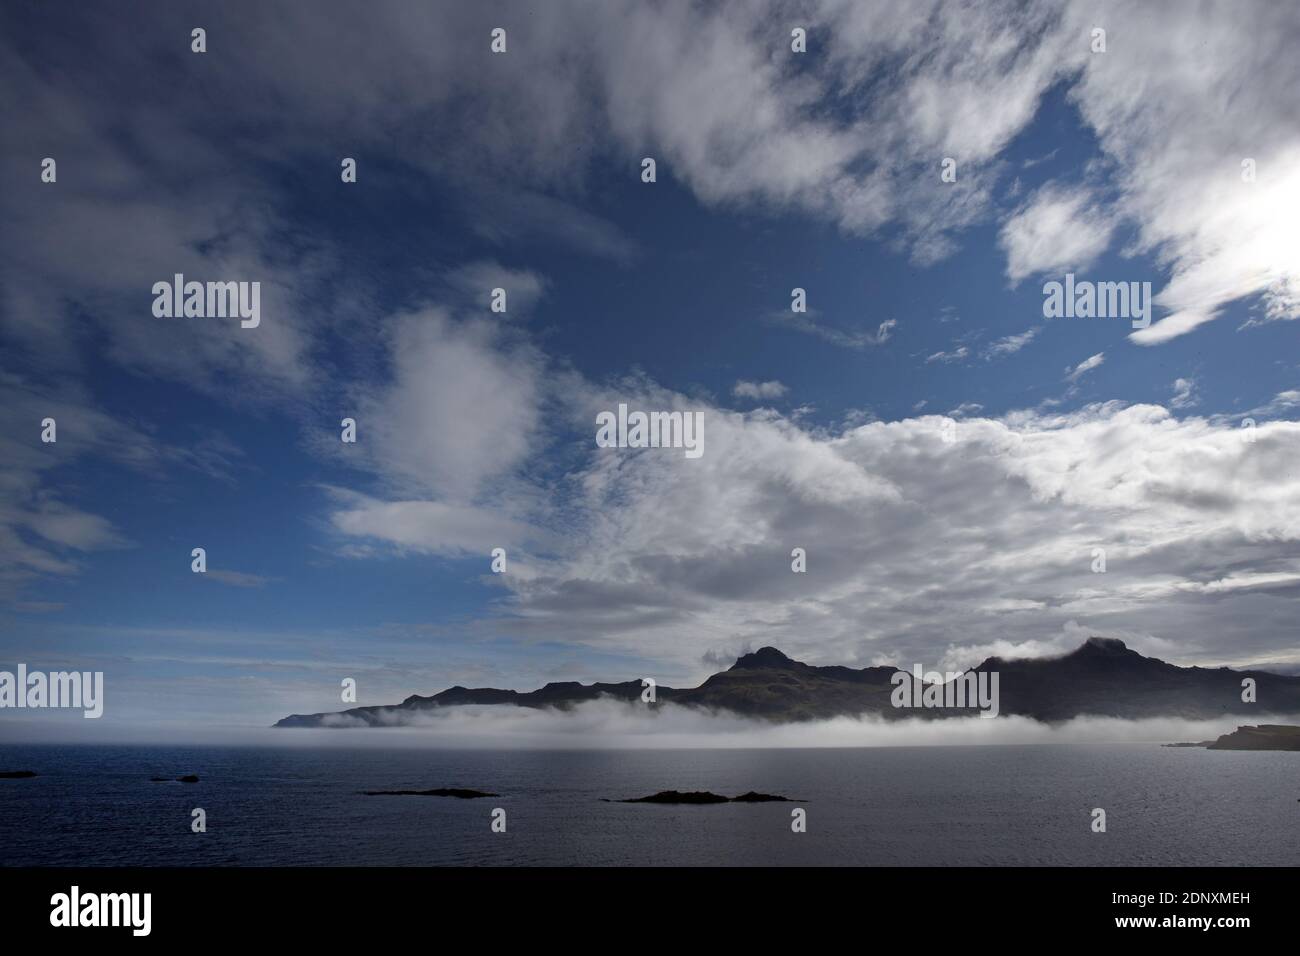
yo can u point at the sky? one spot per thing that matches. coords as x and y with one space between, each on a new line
949 459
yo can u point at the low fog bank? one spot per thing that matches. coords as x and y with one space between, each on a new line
618 725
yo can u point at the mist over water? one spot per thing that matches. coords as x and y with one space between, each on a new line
611 724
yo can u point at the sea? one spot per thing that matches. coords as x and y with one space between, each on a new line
94 805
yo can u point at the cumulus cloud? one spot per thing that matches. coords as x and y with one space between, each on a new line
460 406
916 543
448 431
1061 229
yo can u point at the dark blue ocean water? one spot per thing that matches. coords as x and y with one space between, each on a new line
95 805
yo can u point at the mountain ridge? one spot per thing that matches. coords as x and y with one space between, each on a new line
1102 677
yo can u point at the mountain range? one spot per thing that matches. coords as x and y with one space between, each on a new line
1102 677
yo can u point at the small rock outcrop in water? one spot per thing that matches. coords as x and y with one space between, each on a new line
704 796
188 778
16 774
457 792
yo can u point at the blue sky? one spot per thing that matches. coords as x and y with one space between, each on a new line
522 170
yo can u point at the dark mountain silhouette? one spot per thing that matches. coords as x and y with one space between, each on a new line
1263 737
1103 677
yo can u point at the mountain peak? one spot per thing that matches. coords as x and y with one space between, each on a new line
763 657
1102 646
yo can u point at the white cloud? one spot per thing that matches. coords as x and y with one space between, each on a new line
884 331
430 527
715 95
1184 393
1175 128
59 524
1060 230
758 390
449 432
1084 367
476 280
948 357
1011 344
808 322
460 409
919 547
77 274
1283 402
